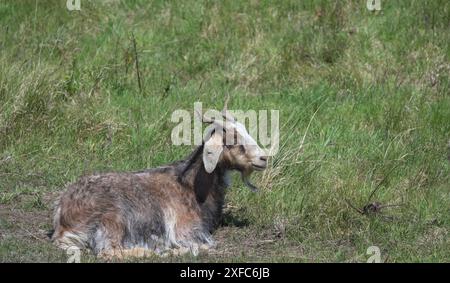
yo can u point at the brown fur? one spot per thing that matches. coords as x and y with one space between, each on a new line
173 207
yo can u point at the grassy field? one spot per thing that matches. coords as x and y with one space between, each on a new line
364 103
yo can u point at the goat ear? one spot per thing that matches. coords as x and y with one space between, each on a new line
211 152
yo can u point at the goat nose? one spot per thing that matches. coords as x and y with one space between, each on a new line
263 158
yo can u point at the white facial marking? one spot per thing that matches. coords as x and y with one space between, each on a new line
244 138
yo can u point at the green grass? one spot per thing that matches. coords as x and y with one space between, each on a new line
368 91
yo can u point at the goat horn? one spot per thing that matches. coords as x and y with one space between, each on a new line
225 114
204 119
208 120
225 106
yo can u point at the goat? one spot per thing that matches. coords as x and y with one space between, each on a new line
170 209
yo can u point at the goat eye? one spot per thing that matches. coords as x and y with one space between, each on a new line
241 148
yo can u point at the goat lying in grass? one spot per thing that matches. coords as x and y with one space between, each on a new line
171 209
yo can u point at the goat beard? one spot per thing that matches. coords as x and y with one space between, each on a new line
245 178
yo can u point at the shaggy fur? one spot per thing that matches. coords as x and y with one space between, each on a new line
111 211
173 208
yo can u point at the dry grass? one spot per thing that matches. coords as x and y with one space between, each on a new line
364 108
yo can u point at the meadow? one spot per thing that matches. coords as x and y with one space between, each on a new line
363 99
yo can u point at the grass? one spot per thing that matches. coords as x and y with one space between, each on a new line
364 112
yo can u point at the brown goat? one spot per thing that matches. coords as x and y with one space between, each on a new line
174 208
